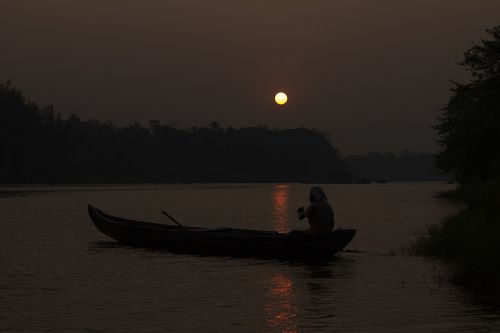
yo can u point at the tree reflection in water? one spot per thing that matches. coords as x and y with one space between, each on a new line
281 311
280 208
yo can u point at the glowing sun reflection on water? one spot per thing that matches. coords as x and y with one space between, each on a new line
281 311
280 208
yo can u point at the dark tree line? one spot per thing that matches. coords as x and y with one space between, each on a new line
406 166
39 146
469 127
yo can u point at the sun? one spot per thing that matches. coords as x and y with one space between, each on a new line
281 98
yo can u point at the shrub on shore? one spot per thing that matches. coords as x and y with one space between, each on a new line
470 238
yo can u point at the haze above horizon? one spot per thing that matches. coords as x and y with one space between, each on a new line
372 74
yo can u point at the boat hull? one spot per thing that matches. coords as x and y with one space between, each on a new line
221 241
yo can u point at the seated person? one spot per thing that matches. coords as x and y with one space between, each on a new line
319 213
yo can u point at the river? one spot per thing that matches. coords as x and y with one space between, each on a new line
60 274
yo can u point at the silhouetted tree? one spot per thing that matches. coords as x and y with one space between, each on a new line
469 128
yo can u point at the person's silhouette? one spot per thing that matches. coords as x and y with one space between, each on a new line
319 213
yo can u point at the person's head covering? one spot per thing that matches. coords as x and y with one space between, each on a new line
317 195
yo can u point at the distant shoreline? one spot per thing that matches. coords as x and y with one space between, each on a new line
214 183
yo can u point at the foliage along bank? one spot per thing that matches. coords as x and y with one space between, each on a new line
39 146
469 134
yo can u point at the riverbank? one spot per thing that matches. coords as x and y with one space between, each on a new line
471 238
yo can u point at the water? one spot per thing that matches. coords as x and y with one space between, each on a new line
60 274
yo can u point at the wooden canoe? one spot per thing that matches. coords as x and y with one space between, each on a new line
221 241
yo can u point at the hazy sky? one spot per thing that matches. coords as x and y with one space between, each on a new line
373 73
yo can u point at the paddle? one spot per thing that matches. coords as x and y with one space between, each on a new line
170 217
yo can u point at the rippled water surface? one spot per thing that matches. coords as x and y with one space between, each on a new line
58 273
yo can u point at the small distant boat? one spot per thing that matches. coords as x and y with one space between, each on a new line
221 241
